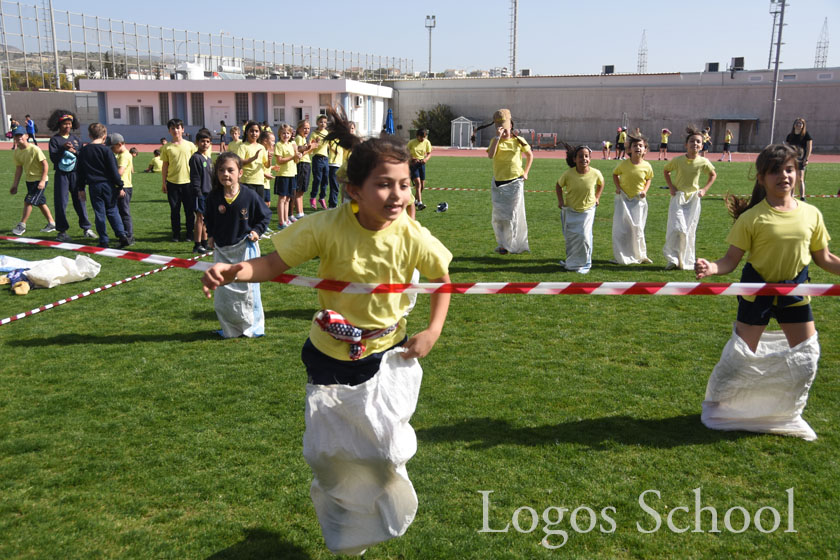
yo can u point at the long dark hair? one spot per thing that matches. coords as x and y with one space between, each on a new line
223 157
366 154
572 152
770 160
804 126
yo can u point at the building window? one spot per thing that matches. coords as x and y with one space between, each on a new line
825 76
279 115
163 101
117 113
197 107
279 99
241 107
324 99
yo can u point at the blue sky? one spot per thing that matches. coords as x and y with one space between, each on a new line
554 37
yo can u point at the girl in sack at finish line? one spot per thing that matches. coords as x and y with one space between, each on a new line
761 384
360 488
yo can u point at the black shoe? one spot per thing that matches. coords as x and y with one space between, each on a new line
204 244
124 242
421 206
175 239
199 248
62 237
102 245
131 240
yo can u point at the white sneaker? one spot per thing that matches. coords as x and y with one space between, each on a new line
49 228
89 234
671 266
19 229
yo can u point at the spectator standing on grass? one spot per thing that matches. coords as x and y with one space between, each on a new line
125 167
64 149
663 144
31 129
30 160
507 189
802 141
201 178
304 167
175 174
420 150
682 174
98 170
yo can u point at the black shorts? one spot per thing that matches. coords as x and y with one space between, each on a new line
34 195
759 313
802 164
619 146
325 370
663 146
726 146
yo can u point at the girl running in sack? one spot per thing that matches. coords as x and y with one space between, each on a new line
761 382
632 180
235 219
579 191
363 373
682 174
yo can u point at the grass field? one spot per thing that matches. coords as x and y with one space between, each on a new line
128 430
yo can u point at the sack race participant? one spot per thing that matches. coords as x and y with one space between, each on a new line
632 180
507 188
363 374
579 191
762 381
684 210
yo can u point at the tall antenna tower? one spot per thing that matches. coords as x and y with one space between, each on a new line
775 11
821 58
641 66
514 8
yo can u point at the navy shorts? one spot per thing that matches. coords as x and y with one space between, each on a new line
200 200
663 146
324 370
285 186
304 170
758 313
34 195
726 146
418 171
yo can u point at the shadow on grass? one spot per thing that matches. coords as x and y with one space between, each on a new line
260 544
292 314
504 262
595 433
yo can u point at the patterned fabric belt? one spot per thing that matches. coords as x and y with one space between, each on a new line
334 324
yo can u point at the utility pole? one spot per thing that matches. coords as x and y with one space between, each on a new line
514 12
782 5
430 24
774 11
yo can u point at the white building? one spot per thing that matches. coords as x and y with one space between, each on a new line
139 109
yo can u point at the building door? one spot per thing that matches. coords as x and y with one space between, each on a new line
133 115
147 116
735 128
218 114
302 113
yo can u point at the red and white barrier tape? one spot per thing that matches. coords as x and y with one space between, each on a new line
474 288
713 195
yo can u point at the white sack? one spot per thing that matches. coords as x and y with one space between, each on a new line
683 215
8 264
509 223
577 231
239 305
357 442
61 270
628 233
765 391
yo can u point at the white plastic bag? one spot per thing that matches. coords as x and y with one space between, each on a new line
765 391
577 231
239 305
683 215
509 222
357 442
61 270
628 233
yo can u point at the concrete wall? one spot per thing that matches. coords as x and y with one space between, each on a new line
588 109
41 104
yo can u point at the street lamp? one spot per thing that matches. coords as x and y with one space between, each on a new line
430 24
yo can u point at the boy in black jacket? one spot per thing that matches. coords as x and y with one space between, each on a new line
97 167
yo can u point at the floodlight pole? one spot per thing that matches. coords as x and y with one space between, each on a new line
776 70
430 24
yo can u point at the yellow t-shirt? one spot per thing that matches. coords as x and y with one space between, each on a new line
126 160
664 137
178 156
284 150
30 160
157 164
779 243
266 162
336 154
253 172
301 141
633 178
322 148
507 161
579 190
622 136
223 131
419 150
351 253
234 146
685 173
728 137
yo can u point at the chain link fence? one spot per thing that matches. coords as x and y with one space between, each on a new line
45 48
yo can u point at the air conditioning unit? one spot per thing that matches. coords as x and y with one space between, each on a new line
608 69
358 100
712 67
737 63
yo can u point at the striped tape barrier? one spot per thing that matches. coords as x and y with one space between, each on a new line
476 288
713 195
